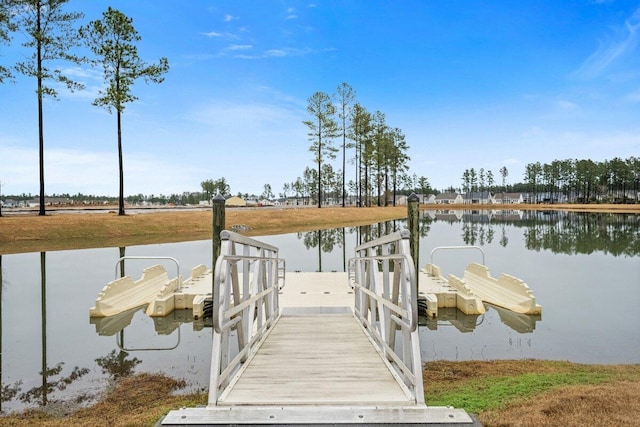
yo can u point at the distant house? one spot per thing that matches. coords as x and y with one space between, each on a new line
449 199
402 199
235 201
509 198
478 198
49 201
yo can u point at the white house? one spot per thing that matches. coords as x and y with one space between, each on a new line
509 198
478 197
449 199
402 199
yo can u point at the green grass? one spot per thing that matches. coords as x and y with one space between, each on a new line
482 394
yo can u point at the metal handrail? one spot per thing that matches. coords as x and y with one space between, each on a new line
457 248
246 282
385 285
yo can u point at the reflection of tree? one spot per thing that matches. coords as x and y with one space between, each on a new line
504 240
117 365
558 231
583 233
40 394
469 233
325 239
8 392
425 226
480 233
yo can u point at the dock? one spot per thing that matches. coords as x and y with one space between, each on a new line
315 348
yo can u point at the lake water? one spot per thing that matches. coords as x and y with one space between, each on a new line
583 268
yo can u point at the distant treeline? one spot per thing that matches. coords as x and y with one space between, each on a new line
571 180
615 180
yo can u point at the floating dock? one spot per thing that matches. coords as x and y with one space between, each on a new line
476 287
316 348
163 295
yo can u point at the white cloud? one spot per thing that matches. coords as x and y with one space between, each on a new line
291 13
93 172
212 34
249 119
620 44
229 18
239 47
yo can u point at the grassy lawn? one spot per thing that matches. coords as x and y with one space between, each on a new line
500 393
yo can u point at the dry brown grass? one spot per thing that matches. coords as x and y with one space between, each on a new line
143 399
606 405
62 231
140 400
32 233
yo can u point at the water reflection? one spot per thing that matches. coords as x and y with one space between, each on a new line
521 323
328 240
111 325
118 365
448 316
40 394
557 231
167 325
465 323
583 233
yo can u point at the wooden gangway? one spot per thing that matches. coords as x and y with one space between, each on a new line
326 349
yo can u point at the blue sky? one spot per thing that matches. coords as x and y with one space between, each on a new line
472 84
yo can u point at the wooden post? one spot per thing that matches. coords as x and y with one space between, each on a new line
413 221
218 226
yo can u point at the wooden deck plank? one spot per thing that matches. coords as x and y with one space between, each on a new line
316 359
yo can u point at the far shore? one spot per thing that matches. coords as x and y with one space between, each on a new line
75 228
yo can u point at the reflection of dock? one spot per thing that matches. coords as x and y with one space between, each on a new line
166 325
522 323
462 322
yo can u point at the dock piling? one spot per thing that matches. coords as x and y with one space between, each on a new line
218 203
413 222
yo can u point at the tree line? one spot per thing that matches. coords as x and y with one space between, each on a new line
379 150
52 39
584 181
575 180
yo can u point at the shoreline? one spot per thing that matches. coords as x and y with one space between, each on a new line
67 229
